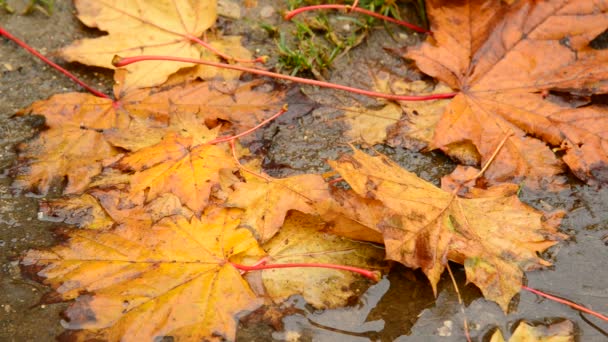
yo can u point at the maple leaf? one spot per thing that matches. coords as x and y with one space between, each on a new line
267 201
103 209
350 215
495 236
172 279
159 27
407 124
503 58
83 210
557 332
72 146
302 240
175 165
83 130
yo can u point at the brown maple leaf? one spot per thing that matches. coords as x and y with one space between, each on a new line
172 279
158 27
503 59
495 236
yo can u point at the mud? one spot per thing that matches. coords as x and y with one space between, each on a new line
401 307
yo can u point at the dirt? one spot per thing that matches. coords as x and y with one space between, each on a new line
401 307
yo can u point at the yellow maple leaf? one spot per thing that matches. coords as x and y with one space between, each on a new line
171 279
267 201
157 27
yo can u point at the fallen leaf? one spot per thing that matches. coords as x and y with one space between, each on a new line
301 240
73 145
84 131
175 165
503 59
557 332
350 215
267 200
187 107
135 284
415 129
406 124
159 27
496 237
84 211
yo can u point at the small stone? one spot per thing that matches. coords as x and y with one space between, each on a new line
267 12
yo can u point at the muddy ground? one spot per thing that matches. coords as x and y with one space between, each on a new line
401 307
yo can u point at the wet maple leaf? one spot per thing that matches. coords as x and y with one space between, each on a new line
172 279
104 209
302 240
407 124
83 130
503 59
158 27
557 332
267 201
176 165
495 236
72 146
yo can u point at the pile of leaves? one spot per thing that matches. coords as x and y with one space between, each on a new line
172 211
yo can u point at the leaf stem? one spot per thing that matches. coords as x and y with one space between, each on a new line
566 302
366 273
289 15
234 137
209 47
31 50
120 62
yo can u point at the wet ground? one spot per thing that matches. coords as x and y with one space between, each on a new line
401 307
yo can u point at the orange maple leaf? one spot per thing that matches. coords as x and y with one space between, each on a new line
176 165
503 59
83 130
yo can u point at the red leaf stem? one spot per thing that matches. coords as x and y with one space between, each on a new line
208 46
366 273
31 50
234 137
120 62
349 8
566 302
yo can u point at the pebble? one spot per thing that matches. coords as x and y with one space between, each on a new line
267 12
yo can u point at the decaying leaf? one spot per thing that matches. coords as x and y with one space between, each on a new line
495 236
83 211
407 124
503 59
556 332
136 284
158 27
301 240
267 201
